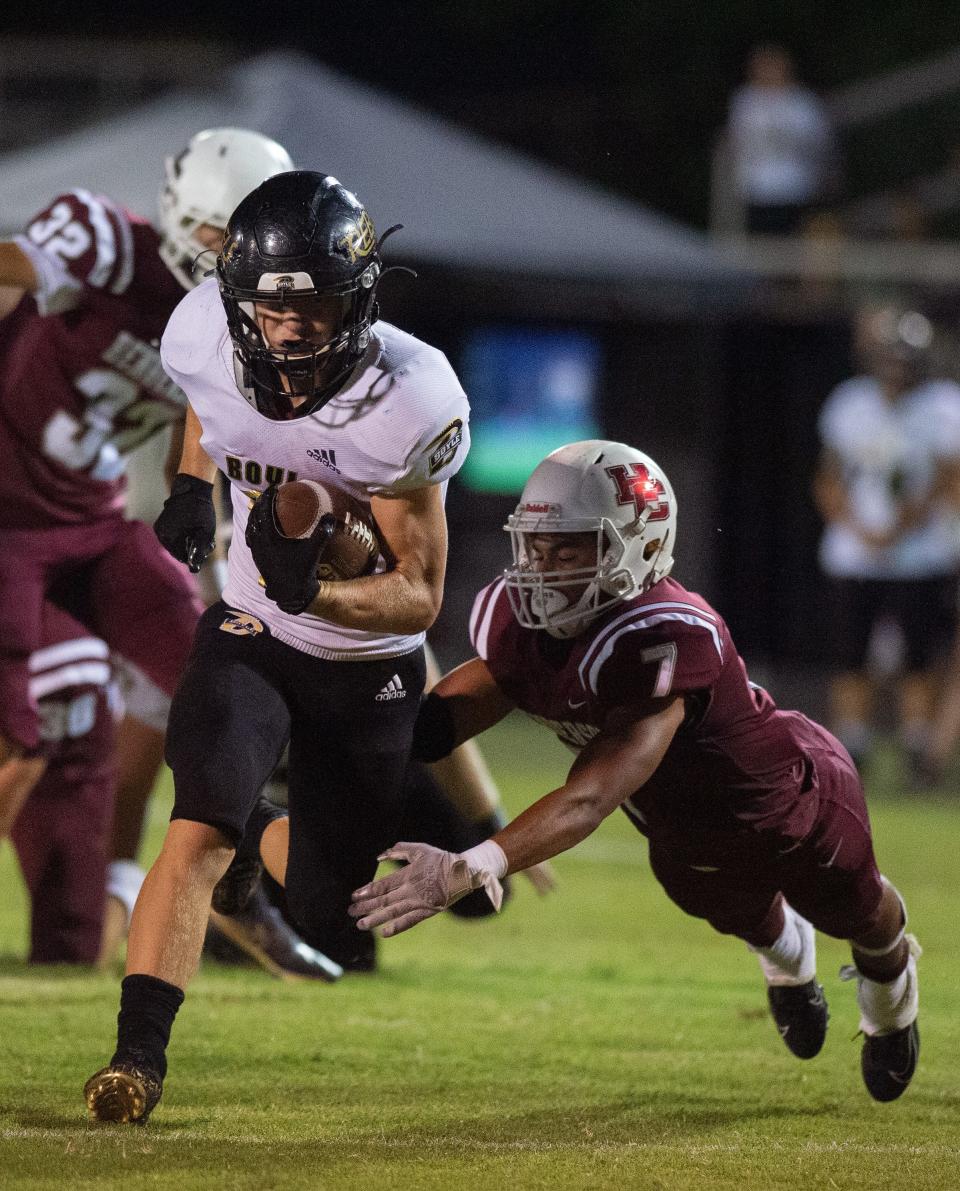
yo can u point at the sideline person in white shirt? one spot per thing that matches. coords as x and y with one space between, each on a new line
887 488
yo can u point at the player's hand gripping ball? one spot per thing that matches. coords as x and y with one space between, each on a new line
353 547
301 533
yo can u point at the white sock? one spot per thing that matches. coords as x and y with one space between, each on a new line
885 1008
124 878
793 957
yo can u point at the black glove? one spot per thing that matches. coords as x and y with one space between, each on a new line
288 565
187 524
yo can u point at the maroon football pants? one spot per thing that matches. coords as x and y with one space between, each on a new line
829 876
117 579
62 838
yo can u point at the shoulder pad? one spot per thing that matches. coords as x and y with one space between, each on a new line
490 617
90 236
196 327
667 635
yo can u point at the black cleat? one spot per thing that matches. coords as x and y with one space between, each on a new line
354 950
224 951
888 1062
234 891
122 1093
261 932
801 1014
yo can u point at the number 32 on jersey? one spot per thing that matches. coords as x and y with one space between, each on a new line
120 413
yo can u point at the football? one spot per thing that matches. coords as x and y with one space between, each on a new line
354 546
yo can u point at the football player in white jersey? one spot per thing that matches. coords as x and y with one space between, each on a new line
288 372
86 277
202 185
887 488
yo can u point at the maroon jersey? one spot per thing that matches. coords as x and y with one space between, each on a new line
82 387
736 765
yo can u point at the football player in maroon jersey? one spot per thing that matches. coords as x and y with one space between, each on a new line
84 296
755 817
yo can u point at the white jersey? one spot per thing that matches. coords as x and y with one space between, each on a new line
782 142
400 424
888 452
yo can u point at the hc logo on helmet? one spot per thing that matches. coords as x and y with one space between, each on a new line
636 486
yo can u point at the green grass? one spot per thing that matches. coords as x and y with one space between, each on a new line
596 1038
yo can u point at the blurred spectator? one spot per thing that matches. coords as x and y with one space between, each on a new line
781 143
886 488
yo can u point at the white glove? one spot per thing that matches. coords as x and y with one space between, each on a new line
430 881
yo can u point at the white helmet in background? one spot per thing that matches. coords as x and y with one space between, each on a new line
606 488
204 184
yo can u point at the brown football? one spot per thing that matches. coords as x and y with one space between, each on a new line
354 546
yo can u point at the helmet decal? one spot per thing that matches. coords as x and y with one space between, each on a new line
362 242
636 485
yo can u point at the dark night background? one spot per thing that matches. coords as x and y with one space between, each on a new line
628 94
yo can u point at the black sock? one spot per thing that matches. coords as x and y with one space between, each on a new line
147 1009
263 814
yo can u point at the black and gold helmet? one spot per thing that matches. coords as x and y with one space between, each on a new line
297 238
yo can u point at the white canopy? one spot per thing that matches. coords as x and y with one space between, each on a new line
464 201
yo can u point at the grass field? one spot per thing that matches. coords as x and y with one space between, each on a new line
597 1038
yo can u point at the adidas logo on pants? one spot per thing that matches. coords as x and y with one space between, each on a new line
393 690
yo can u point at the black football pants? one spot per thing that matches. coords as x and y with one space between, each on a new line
350 724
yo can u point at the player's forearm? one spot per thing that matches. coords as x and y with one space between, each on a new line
559 821
613 766
463 704
171 464
564 817
387 603
194 460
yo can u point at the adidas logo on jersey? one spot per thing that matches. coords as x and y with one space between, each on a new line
327 457
393 690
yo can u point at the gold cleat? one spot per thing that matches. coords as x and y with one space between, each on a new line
122 1093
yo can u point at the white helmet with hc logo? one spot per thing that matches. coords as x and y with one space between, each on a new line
606 488
205 184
